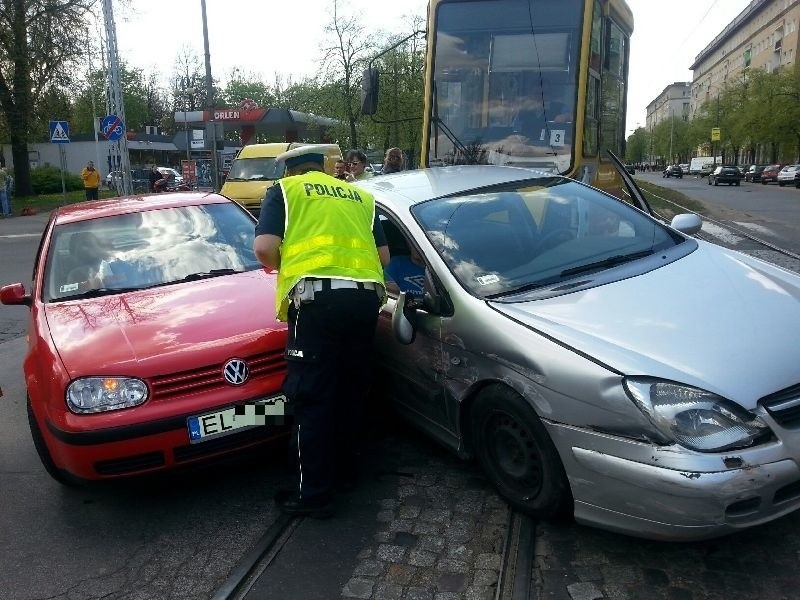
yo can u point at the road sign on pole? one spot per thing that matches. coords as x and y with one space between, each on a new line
112 128
59 132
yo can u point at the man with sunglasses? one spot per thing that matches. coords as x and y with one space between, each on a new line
357 163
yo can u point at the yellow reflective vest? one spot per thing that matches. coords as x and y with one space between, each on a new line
328 234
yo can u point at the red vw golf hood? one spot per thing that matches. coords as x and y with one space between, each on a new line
168 329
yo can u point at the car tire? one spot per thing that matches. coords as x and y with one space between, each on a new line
763 182
709 181
517 454
737 183
60 475
781 183
716 183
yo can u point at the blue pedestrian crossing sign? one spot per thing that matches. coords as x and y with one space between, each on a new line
59 132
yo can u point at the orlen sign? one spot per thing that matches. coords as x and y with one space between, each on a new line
226 115
240 115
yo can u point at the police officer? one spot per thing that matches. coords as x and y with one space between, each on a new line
324 238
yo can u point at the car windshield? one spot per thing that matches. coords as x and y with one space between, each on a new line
147 249
519 237
252 169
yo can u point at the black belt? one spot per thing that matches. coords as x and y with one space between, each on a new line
340 284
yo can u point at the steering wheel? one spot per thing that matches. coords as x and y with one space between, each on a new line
555 238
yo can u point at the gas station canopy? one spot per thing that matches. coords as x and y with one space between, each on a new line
292 125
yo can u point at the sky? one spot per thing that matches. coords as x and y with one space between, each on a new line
266 37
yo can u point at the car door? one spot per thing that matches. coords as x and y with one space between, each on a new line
413 374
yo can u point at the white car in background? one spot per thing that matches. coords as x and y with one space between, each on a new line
177 178
789 175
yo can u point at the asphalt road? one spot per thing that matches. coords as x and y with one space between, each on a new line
766 211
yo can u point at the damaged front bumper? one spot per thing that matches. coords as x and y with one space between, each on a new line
672 493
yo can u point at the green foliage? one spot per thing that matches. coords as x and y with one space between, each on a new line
47 180
758 114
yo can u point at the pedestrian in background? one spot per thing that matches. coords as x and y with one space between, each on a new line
91 181
5 194
340 170
154 176
324 238
393 161
357 162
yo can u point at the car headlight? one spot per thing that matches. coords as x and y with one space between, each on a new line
101 394
693 417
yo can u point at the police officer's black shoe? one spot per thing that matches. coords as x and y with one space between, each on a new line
291 504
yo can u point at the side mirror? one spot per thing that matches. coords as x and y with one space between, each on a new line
688 223
402 327
14 294
369 91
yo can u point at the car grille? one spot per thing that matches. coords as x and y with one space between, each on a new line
210 377
129 464
784 406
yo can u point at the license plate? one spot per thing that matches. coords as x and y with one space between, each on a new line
224 422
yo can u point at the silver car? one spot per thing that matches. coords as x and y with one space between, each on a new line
595 360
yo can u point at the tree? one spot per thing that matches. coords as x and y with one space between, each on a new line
38 39
342 60
637 147
397 123
144 104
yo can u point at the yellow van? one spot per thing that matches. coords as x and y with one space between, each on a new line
255 169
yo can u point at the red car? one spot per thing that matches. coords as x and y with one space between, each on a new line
770 173
152 340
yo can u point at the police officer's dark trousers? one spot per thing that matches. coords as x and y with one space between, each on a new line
328 376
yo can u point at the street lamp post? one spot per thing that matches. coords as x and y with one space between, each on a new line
210 100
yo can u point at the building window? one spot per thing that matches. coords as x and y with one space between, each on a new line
747 57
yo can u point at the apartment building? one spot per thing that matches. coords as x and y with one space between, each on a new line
674 100
763 36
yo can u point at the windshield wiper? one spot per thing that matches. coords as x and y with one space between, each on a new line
611 261
97 292
207 274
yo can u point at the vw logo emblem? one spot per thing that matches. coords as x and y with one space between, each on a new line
236 371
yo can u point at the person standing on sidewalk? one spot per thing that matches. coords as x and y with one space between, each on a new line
5 194
324 238
91 181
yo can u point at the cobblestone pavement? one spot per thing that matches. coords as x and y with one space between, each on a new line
440 535
580 563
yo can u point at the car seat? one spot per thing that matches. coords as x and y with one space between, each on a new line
88 252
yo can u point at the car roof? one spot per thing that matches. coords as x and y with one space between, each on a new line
86 211
413 186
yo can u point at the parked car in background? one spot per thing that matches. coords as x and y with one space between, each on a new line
673 171
753 174
175 176
729 174
770 173
684 168
706 170
148 327
140 181
630 168
789 175
563 340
